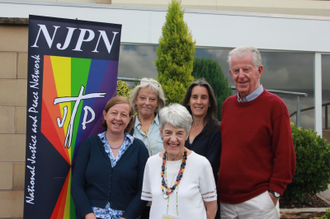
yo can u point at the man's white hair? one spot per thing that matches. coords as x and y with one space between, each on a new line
242 50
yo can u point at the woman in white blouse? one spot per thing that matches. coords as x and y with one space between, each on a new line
178 182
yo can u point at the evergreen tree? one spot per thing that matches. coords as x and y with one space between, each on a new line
175 55
122 89
211 71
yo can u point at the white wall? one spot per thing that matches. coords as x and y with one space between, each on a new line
209 28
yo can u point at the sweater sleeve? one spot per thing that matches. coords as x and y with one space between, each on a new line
214 151
78 184
284 154
136 206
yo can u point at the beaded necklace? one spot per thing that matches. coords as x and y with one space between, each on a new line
114 148
168 190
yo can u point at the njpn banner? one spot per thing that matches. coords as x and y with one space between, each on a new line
72 73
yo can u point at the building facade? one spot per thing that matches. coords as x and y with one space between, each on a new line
292 37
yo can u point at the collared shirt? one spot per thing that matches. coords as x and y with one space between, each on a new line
128 140
107 212
252 95
152 139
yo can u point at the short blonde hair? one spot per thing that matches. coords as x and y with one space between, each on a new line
152 84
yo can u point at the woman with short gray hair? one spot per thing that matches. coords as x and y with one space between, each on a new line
176 116
185 188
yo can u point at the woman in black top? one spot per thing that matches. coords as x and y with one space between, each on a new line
204 137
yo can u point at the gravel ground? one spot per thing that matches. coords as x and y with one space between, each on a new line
313 202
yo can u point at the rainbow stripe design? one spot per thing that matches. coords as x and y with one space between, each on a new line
63 79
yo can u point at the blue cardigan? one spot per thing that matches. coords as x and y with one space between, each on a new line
95 182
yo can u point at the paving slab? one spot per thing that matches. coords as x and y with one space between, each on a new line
303 210
326 194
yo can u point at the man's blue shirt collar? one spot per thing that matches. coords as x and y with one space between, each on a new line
251 96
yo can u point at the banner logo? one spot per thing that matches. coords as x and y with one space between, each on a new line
72 73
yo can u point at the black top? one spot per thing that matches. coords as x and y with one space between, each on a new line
208 146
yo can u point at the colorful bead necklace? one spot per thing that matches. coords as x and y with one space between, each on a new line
168 190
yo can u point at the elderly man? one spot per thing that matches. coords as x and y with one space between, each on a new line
258 157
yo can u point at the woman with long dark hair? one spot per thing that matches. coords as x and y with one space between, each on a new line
204 136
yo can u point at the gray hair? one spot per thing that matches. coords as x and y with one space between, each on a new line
152 84
175 115
242 50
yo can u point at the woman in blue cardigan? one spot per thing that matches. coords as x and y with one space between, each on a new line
108 172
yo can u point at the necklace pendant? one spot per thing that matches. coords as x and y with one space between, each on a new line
165 196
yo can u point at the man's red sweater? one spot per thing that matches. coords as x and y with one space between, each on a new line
257 148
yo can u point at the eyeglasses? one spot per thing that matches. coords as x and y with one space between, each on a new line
148 82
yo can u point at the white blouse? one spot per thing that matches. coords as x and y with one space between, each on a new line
196 187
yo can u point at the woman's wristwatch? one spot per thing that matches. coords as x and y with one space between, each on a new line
276 194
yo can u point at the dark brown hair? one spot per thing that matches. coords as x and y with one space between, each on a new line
117 100
211 116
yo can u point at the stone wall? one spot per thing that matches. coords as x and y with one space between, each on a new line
13 91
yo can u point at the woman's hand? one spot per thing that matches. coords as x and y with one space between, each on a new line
90 216
211 209
122 218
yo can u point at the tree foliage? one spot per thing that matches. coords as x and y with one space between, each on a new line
327 214
313 165
175 55
211 71
122 89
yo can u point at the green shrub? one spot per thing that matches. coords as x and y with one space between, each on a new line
313 165
175 53
122 89
327 214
